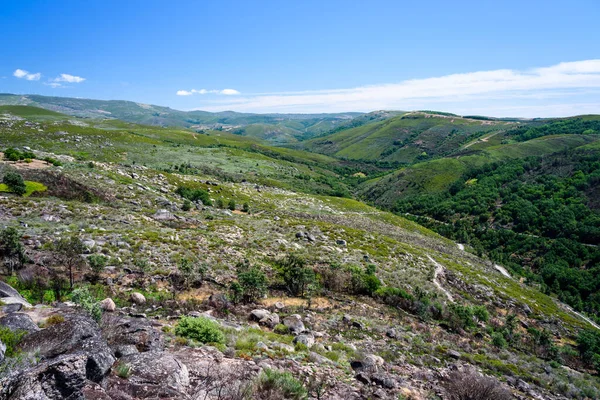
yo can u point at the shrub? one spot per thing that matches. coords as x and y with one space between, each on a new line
460 317
245 208
272 384
236 292
15 183
187 205
194 195
253 283
53 161
498 340
12 154
123 370
481 313
82 297
54 319
231 205
200 329
295 275
220 203
281 329
472 386
97 262
11 339
11 248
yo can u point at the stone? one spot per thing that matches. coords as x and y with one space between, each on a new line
391 333
363 378
358 325
11 308
307 340
219 301
78 334
2 351
294 323
125 350
16 300
159 369
163 215
258 314
454 354
8 291
279 305
60 378
384 380
137 298
300 235
318 359
108 305
19 322
120 330
310 237
341 242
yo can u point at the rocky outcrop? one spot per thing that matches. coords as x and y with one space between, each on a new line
19 322
120 331
78 334
294 323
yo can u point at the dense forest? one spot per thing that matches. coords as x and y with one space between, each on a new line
537 216
580 125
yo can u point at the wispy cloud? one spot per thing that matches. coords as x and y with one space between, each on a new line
69 78
22 74
464 92
226 92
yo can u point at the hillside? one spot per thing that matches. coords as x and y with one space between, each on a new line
222 264
276 128
406 138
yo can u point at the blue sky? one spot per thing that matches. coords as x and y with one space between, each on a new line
518 58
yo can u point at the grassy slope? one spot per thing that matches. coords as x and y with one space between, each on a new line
437 175
403 138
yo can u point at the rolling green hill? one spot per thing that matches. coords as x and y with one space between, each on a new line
405 138
276 128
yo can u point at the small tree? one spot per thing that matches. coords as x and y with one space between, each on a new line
15 183
11 248
97 262
69 250
295 275
245 208
231 205
253 283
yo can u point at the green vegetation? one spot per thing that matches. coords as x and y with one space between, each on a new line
272 384
14 182
200 329
252 284
194 195
11 339
296 276
82 297
533 215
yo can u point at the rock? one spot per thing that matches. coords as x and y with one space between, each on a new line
346 318
368 363
307 340
318 359
527 309
77 334
258 314
11 308
363 378
60 378
358 325
284 347
384 380
341 242
157 369
163 215
219 301
8 291
137 298
262 346
19 321
2 351
125 350
310 237
294 323
300 235
108 305
16 300
120 330
391 333
454 354
279 305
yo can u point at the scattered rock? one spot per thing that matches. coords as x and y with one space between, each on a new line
120 330
341 242
307 340
19 321
219 301
454 354
108 305
138 298
11 308
294 323
155 370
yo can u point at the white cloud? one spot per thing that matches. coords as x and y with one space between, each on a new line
54 84
22 74
227 92
465 91
69 78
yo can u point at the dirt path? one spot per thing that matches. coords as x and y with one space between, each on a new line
439 270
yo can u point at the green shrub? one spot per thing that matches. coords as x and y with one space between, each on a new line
15 183
253 283
187 205
97 262
200 329
11 154
82 297
236 292
53 161
231 205
54 319
245 208
296 276
481 313
194 195
281 329
11 339
272 384
123 370
498 340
